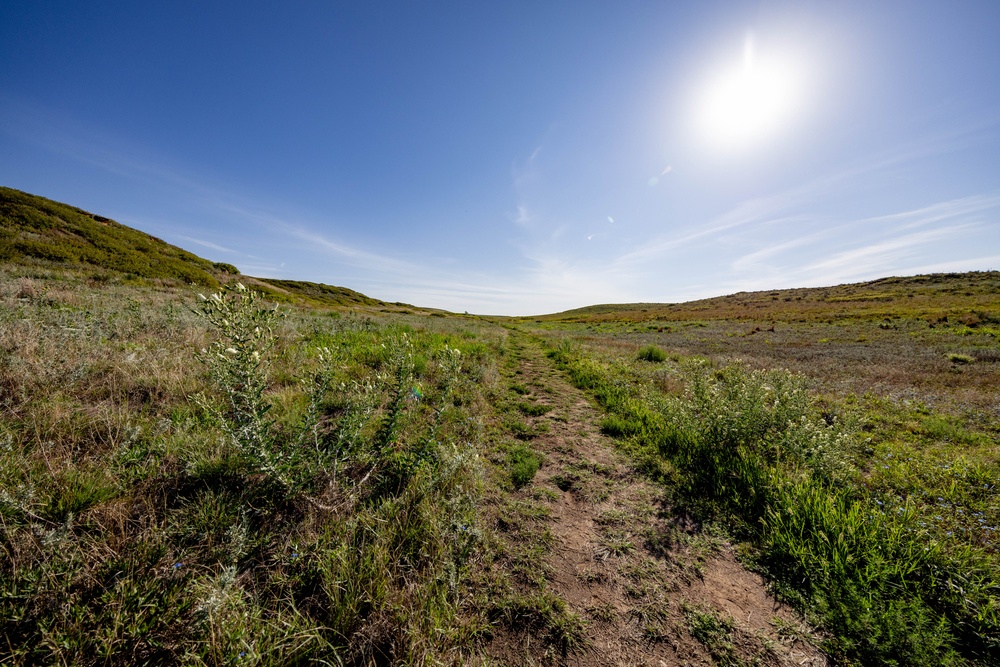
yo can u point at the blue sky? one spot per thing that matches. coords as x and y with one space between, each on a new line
521 157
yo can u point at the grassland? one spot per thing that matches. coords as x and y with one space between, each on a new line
852 449
292 473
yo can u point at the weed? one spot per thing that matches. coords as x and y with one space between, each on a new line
237 365
532 409
615 542
713 632
548 613
605 613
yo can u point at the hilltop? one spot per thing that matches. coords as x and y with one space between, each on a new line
35 229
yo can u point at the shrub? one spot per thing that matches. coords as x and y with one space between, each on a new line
652 353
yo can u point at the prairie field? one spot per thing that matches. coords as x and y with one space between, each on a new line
223 478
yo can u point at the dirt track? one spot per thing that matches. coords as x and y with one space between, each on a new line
651 588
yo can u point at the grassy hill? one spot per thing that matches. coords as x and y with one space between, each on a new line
34 229
965 295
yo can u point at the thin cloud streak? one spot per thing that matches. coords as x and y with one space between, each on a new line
207 244
861 260
760 209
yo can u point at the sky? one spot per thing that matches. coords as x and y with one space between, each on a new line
521 158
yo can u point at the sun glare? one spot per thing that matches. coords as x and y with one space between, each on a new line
747 104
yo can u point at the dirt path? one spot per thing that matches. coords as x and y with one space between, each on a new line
649 589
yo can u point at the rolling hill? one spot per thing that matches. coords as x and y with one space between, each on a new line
971 295
37 230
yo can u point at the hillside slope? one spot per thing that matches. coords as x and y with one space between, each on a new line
34 229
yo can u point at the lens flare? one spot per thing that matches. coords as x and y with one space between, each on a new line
744 106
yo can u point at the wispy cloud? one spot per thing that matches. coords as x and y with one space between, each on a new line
877 256
523 217
206 244
892 229
809 198
987 263
964 207
761 258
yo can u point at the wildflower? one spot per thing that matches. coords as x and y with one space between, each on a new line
178 565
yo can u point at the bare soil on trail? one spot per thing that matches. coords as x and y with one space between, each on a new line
650 588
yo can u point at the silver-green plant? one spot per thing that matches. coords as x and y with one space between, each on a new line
237 364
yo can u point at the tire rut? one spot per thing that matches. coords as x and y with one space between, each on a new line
650 588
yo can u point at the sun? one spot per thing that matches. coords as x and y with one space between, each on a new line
747 104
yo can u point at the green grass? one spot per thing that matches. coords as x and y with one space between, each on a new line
212 482
966 299
185 485
524 462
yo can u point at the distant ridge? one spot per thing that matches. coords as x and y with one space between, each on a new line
930 295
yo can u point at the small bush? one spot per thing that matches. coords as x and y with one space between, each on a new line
652 353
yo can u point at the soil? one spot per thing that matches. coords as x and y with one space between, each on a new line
650 587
